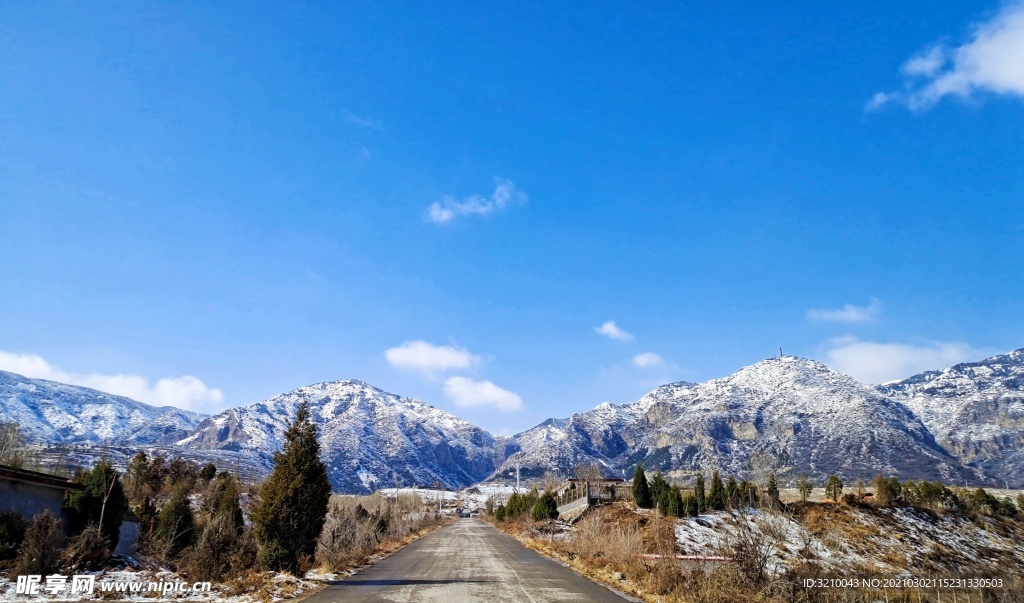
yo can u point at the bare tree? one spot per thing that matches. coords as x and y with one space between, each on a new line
754 542
13 451
588 472
551 481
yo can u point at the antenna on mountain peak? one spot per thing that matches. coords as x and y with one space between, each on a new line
781 355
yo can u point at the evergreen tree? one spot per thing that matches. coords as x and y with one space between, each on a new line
732 492
101 501
833 488
176 525
293 505
641 489
207 472
699 495
896 490
804 487
157 473
138 471
716 497
658 486
546 507
690 506
222 499
675 506
772 489
664 504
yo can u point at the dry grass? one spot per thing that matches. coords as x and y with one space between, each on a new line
607 545
361 529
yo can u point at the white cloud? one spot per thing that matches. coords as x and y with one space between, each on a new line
874 362
466 392
848 313
647 360
428 358
360 122
612 331
992 60
449 208
185 392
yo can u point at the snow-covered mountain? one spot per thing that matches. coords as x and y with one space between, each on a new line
57 413
975 411
369 438
790 414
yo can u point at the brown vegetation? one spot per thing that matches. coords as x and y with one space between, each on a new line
360 527
633 551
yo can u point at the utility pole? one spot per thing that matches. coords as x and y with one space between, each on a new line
517 477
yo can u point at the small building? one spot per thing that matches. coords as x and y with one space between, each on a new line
575 495
31 492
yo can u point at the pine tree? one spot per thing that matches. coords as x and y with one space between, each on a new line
699 495
833 488
138 470
675 505
665 504
641 489
716 497
176 525
293 504
658 486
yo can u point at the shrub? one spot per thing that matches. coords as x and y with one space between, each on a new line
39 551
88 551
211 558
208 471
12 533
520 505
545 508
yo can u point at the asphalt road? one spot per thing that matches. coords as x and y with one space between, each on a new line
467 560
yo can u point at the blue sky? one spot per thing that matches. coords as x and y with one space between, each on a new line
511 213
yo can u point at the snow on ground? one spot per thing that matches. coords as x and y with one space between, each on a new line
885 540
472 499
280 587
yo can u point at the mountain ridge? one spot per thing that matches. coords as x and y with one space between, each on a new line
787 414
